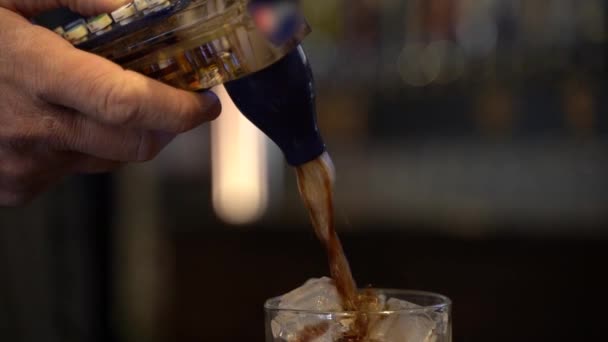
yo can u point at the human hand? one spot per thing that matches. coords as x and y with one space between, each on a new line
65 111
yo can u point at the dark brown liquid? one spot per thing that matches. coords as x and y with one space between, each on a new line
312 332
315 181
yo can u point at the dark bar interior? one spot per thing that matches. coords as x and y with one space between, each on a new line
470 141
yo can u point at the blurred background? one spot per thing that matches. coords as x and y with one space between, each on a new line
470 139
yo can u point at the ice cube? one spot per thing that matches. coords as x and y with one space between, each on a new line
315 295
319 295
317 317
371 301
410 327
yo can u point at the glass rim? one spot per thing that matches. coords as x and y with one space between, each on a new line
443 303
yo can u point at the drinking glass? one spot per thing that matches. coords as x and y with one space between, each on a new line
417 317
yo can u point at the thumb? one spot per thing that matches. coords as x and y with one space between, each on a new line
31 8
106 92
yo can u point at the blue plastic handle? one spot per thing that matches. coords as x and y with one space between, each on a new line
280 101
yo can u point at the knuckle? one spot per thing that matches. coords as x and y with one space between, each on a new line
52 129
119 105
53 133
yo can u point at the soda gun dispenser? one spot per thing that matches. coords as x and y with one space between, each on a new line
250 46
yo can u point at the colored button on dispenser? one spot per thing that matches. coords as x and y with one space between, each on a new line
155 6
99 23
141 4
125 12
76 31
154 3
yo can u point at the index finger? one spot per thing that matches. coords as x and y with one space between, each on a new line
104 91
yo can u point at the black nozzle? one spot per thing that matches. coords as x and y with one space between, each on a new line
280 101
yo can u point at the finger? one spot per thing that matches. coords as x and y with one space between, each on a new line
85 7
104 91
64 130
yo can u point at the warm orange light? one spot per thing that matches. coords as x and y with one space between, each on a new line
239 166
